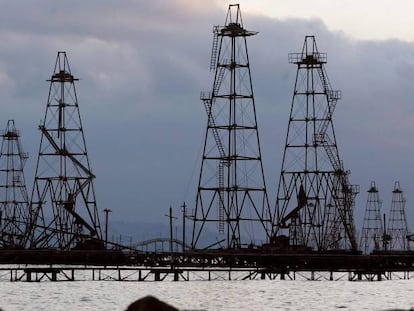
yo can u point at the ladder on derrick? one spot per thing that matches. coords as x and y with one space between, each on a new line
214 48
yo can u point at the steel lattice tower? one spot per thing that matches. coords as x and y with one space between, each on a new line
397 223
372 229
63 204
231 196
14 200
315 201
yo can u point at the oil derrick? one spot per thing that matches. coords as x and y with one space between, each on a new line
63 204
372 230
315 200
14 200
397 222
231 196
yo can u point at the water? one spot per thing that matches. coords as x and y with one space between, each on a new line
213 295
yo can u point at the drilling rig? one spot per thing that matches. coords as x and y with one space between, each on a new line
372 229
315 200
397 222
64 213
231 204
14 200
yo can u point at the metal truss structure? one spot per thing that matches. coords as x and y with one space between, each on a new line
231 196
315 199
63 204
397 222
372 229
14 200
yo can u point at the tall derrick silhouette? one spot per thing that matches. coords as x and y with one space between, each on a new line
64 213
372 233
231 196
14 200
315 200
397 222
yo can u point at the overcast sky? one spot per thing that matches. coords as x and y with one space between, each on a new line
142 65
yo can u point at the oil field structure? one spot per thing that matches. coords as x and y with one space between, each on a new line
56 234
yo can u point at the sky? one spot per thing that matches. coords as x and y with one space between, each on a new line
142 65
366 20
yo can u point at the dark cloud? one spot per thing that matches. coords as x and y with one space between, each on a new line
142 65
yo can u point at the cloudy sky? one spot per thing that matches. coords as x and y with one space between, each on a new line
142 65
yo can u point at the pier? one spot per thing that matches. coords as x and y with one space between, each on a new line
213 265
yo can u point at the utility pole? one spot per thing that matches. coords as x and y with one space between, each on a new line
386 238
184 212
170 216
106 211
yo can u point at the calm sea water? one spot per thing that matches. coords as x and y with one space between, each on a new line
213 295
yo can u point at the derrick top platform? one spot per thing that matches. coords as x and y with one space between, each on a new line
234 30
62 76
314 58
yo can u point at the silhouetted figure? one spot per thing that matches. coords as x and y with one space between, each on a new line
150 303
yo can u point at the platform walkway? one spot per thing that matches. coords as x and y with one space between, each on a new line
141 274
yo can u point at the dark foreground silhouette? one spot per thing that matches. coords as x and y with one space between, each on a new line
150 303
